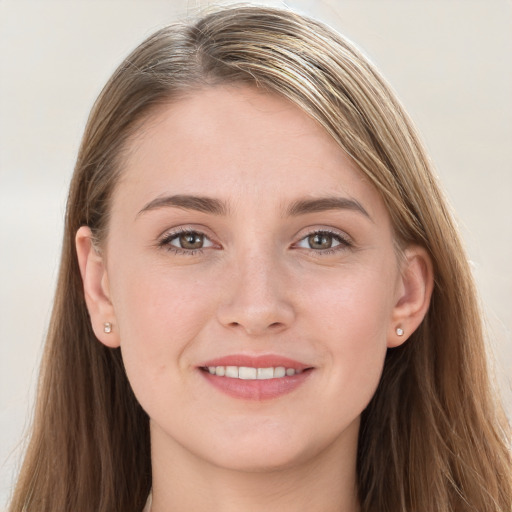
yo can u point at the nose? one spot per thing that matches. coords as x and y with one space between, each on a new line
257 300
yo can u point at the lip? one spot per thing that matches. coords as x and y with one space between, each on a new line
256 361
256 389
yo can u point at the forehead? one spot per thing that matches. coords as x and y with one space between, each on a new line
235 141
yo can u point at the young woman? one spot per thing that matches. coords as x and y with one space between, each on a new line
263 303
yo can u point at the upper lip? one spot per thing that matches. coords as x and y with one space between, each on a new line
256 361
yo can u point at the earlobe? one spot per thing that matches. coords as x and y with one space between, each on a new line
96 288
413 296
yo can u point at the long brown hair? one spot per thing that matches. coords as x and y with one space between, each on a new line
433 437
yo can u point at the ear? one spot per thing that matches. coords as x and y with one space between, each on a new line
96 288
414 291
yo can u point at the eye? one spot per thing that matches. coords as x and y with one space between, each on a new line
186 241
323 241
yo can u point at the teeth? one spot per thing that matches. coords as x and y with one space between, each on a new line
231 371
249 373
265 373
280 371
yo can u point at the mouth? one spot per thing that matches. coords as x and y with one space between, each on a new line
253 373
255 378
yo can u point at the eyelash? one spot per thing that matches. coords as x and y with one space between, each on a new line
165 242
344 242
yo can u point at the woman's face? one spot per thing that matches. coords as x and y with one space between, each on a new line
241 235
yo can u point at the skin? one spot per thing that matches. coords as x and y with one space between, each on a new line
259 285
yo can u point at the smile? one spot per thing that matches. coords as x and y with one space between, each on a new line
250 377
251 373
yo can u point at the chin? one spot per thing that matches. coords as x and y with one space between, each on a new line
261 459
267 450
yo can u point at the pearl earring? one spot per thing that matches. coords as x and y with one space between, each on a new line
399 331
107 327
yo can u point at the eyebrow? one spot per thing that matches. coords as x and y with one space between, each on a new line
216 207
304 206
186 202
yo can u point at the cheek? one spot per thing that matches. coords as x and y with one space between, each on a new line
158 305
159 316
356 304
349 320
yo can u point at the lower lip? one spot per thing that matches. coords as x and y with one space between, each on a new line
265 389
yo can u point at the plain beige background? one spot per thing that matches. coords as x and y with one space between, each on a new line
450 62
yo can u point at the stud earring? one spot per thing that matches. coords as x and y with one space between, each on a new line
107 327
399 331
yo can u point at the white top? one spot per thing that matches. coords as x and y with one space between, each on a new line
147 507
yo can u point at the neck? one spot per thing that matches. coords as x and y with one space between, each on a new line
323 483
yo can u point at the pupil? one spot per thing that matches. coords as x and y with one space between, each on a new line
320 241
191 241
